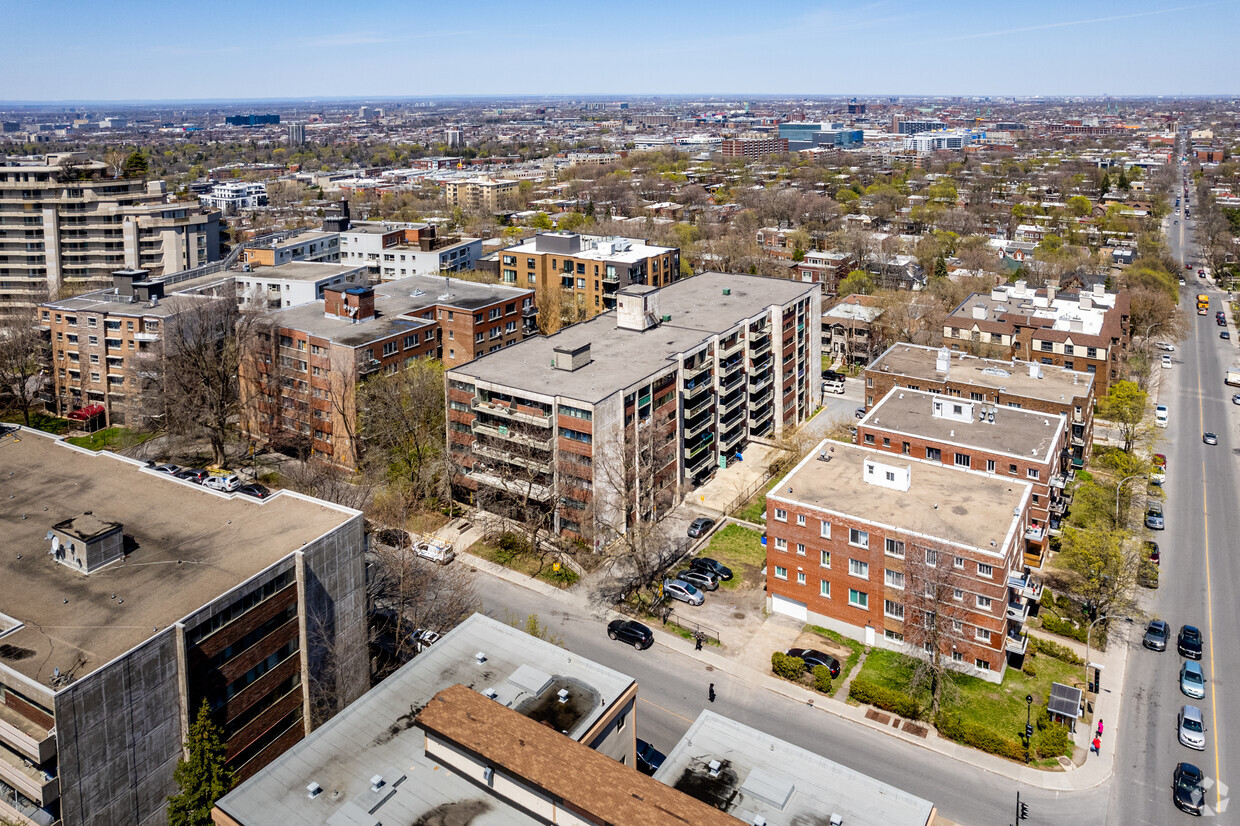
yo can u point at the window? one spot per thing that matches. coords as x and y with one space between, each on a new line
1046 346
575 435
1012 470
982 664
893 635
985 570
905 448
824 529
958 594
824 588
894 547
869 438
962 460
957 626
1032 473
93 341
859 538
957 657
781 544
800 577
389 348
983 602
886 442
858 599
895 610
781 572
824 559
801 519
934 454
990 465
858 568
894 578
958 562
781 514
932 557
800 549
982 634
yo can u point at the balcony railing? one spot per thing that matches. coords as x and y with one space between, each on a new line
501 432
26 736
41 787
1035 533
510 412
698 427
1018 611
1016 643
521 460
760 346
1025 586
532 490
726 350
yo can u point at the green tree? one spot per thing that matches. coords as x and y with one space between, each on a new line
1122 181
1100 568
1124 404
570 221
940 268
136 165
541 221
857 282
1079 206
203 777
1104 186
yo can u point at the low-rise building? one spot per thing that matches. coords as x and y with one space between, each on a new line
1001 441
231 197
397 250
848 330
295 283
1043 388
309 245
133 598
661 393
903 553
479 194
301 375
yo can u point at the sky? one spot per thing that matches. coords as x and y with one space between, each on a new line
228 50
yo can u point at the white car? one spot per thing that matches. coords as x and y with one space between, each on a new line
224 482
1166 361
1165 347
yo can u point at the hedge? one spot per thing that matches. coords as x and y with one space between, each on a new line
1053 649
888 699
790 668
822 679
1064 628
952 727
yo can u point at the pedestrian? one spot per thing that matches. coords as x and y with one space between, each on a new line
1096 747
697 642
1100 728
712 692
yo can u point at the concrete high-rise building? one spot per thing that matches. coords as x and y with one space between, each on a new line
66 225
296 134
453 137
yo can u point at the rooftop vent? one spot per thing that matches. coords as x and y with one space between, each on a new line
714 767
562 695
313 790
480 658
727 291
571 358
490 693
376 783
837 820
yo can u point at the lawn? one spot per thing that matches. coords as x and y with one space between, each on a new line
755 509
110 437
854 646
39 421
1000 708
741 549
528 564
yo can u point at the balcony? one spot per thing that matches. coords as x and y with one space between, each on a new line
26 736
1035 533
695 451
726 350
1025 586
369 366
146 337
507 411
756 385
1060 480
699 461
527 461
518 487
691 374
1016 643
730 438
1078 441
728 367
694 429
761 401
1018 611
760 346
41 787
501 432
728 405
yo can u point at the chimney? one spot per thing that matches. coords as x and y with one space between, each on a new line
1019 292
1100 290
943 360
1050 293
571 358
1087 303
979 311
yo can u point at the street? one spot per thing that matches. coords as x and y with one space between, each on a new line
1197 568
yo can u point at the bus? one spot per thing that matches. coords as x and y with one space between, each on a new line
1203 303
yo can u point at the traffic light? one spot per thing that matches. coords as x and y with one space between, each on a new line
1024 812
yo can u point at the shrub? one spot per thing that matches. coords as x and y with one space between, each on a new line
1064 628
1030 669
1051 741
790 668
1053 649
513 543
822 679
888 699
952 727
1147 574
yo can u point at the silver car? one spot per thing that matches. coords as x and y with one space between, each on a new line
1192 731
680 590
1192 681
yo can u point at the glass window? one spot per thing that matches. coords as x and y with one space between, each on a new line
982 634
894 547
934 454
859 538
983 602
895 610
781 514
781 544
824 529
858 599
962 460
985 570
858 568
824 559
800 549
824 588
894 578
800 577
781 572
801 519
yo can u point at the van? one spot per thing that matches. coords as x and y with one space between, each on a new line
1160 416
436 550
832 385
226 483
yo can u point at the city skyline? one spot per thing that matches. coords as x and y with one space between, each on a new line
294 52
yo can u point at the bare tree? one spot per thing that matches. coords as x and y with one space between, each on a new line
23 360
936 621
402 421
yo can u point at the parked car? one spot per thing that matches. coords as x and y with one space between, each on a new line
699 527
1152 548
648 757
1235 399
256 490
1190 728
1224 335
1154 516
814 657
683 591
632 632
1188 643
722 572
193 474
698 578
226 483
1209 438
1186 789
171 470
1156 635
859 412
435 550
1165 347
1166 361
1192 681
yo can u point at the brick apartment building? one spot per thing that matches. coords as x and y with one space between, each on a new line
587 270
903 553
485 194
752 147
663 392
1001 441
1042 388
133 598
827 268
299 379
1086 330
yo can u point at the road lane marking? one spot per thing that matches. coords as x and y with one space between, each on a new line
667 710
1205 518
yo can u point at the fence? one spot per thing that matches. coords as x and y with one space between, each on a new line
748 493
225 263
708 634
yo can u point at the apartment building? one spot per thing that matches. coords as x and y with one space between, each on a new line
233 196
301 376
295 283
1012 384
1001 441
66 224
752 147
396 250
903 553
310 245
162 595
588 270
608 420
1086 330
497 727
848 330
479 194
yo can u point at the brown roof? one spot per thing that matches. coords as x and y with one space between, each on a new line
592 782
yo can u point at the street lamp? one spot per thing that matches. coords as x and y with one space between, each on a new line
1088 636
1029 722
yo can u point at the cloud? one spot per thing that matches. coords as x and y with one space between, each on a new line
1068 23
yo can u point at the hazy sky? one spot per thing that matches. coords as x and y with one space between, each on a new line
143 49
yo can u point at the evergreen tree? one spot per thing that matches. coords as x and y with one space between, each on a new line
203 778
1122 181
1105 186
940 267
136 165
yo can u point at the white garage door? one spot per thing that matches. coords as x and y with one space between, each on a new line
789 607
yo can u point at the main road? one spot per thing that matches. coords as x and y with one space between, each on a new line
1199 567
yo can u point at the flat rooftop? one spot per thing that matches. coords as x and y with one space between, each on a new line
761 775
107 300
595 248
187 546
1051 383
1018 433
376 734
963 506
621 358
301 238
310 271
397 305
1063 313
379 227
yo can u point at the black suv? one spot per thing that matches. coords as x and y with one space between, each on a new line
634 633
814 658
1189 642
716 569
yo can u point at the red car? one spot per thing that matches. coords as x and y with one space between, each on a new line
1188 266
